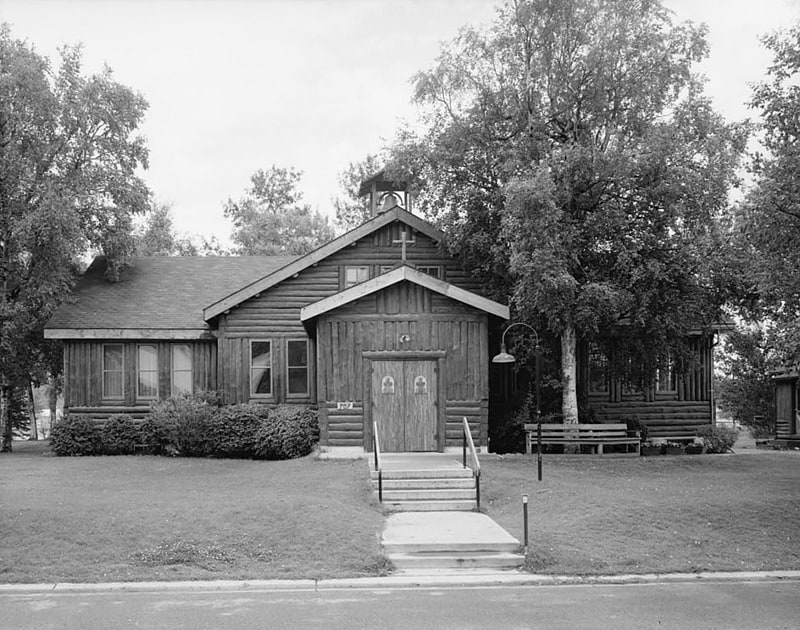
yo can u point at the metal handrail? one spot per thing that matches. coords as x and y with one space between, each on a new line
378 467
476 470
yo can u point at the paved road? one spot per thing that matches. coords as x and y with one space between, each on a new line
751 605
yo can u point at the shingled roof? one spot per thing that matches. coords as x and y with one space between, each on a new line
156 294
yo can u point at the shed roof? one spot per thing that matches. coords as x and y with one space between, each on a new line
156 296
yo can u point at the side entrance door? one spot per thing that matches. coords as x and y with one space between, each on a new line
404 404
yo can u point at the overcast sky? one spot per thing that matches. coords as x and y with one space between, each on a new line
235 86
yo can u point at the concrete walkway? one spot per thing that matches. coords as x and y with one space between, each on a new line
456 530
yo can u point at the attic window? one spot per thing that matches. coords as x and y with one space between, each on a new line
355 274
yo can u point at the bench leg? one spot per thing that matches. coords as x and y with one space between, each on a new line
528 445
599 449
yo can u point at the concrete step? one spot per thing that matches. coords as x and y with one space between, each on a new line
461 560
440 473
428 494
420 484
430 506
452 547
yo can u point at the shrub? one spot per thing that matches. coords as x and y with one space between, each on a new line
232 430
289 431
120 434
179 426
75 434
718 439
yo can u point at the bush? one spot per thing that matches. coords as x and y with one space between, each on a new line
718 439
232 430
75 434
120 434
289 431
179 426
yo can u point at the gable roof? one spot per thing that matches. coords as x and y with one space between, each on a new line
395 214
157 297
400 274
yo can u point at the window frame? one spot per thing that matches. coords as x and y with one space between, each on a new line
439 271
271 368
173 371
139 395
306 367
365 268
121 372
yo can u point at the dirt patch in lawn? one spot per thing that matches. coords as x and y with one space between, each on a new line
593 515
87 519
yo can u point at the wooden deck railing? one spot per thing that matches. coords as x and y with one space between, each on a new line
377 450
476 465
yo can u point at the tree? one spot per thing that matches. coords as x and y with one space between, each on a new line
770 215
68 185
270 218
351 208
574 163
748 359
157 237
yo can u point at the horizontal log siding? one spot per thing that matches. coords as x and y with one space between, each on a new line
83 369
662 419
275 315
342 427
476 413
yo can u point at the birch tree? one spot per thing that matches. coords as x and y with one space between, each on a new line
575 164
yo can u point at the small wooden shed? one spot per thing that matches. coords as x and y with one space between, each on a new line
787 417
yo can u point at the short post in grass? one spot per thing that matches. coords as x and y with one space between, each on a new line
525 520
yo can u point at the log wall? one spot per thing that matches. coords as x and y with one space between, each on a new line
83 370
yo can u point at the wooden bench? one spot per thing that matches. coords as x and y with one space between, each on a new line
595 435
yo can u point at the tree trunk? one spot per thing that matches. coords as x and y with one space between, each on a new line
6 433
34 434
569 393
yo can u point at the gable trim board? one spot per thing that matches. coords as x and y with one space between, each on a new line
365 229
400 274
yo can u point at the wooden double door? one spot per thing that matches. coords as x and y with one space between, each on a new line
404 404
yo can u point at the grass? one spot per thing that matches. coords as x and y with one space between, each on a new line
686 513
89 519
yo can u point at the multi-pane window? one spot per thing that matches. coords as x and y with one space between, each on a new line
355 274
113 372
598 369
181 369
146 371
297 367
434 271
260 368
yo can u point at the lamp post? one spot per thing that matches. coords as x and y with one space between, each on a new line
505 357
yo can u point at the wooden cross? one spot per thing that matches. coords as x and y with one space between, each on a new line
403 242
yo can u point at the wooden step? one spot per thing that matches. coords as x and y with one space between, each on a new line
442 473
416 484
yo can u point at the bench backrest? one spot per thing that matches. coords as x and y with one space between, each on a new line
588 430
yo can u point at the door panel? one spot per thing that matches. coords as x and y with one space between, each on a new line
404 397
387 397
421 410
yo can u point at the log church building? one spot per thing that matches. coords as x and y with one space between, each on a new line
378 327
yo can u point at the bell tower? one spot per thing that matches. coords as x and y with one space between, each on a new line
384 194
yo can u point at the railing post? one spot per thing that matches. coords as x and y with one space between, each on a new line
380 486
464 445
478 489
525 519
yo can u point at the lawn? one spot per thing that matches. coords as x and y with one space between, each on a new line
610 515
88 519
